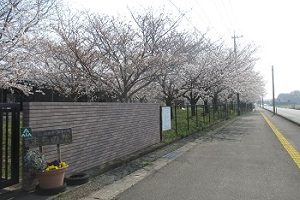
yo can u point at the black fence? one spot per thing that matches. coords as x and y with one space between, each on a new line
190 119
10 144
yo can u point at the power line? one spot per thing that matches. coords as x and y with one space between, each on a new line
221 16
189 21
202 11
234 17
227 13
183 14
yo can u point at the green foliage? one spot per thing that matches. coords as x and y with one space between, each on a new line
147 163
35 159
184 124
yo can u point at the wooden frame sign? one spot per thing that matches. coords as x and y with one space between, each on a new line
49 137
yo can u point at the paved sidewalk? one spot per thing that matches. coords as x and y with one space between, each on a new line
127 175
98 182
243 160
112 190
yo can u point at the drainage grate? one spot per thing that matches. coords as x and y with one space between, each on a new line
172 154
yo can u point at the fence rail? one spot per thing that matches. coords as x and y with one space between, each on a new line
190 119
9 140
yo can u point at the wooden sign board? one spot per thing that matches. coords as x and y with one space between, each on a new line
49 137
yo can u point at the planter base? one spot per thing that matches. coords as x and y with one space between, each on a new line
51 179
50 191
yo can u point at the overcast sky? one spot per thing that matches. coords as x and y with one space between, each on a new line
272 25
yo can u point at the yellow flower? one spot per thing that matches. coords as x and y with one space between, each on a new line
63 164
51 166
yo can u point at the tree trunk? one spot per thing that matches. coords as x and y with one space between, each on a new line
169 103
193 110
206 107
215 102
231 105
193 107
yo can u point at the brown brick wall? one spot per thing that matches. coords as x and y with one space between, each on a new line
102 132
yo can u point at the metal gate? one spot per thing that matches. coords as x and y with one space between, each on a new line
10 144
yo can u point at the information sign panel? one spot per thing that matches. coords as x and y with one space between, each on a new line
166 118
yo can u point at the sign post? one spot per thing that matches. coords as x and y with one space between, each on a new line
47 137
32 139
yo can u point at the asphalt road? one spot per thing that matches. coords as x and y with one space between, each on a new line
244 160
290 114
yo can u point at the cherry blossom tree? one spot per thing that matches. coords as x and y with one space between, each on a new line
146 58
196 76
217 70
220 67
182 49
20 21
244 79
68 63
237 77
132 53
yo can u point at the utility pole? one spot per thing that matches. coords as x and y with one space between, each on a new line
235 57
234 44
273 89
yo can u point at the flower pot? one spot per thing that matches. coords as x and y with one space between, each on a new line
51 179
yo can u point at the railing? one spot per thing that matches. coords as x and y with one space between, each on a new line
190 119
10 144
